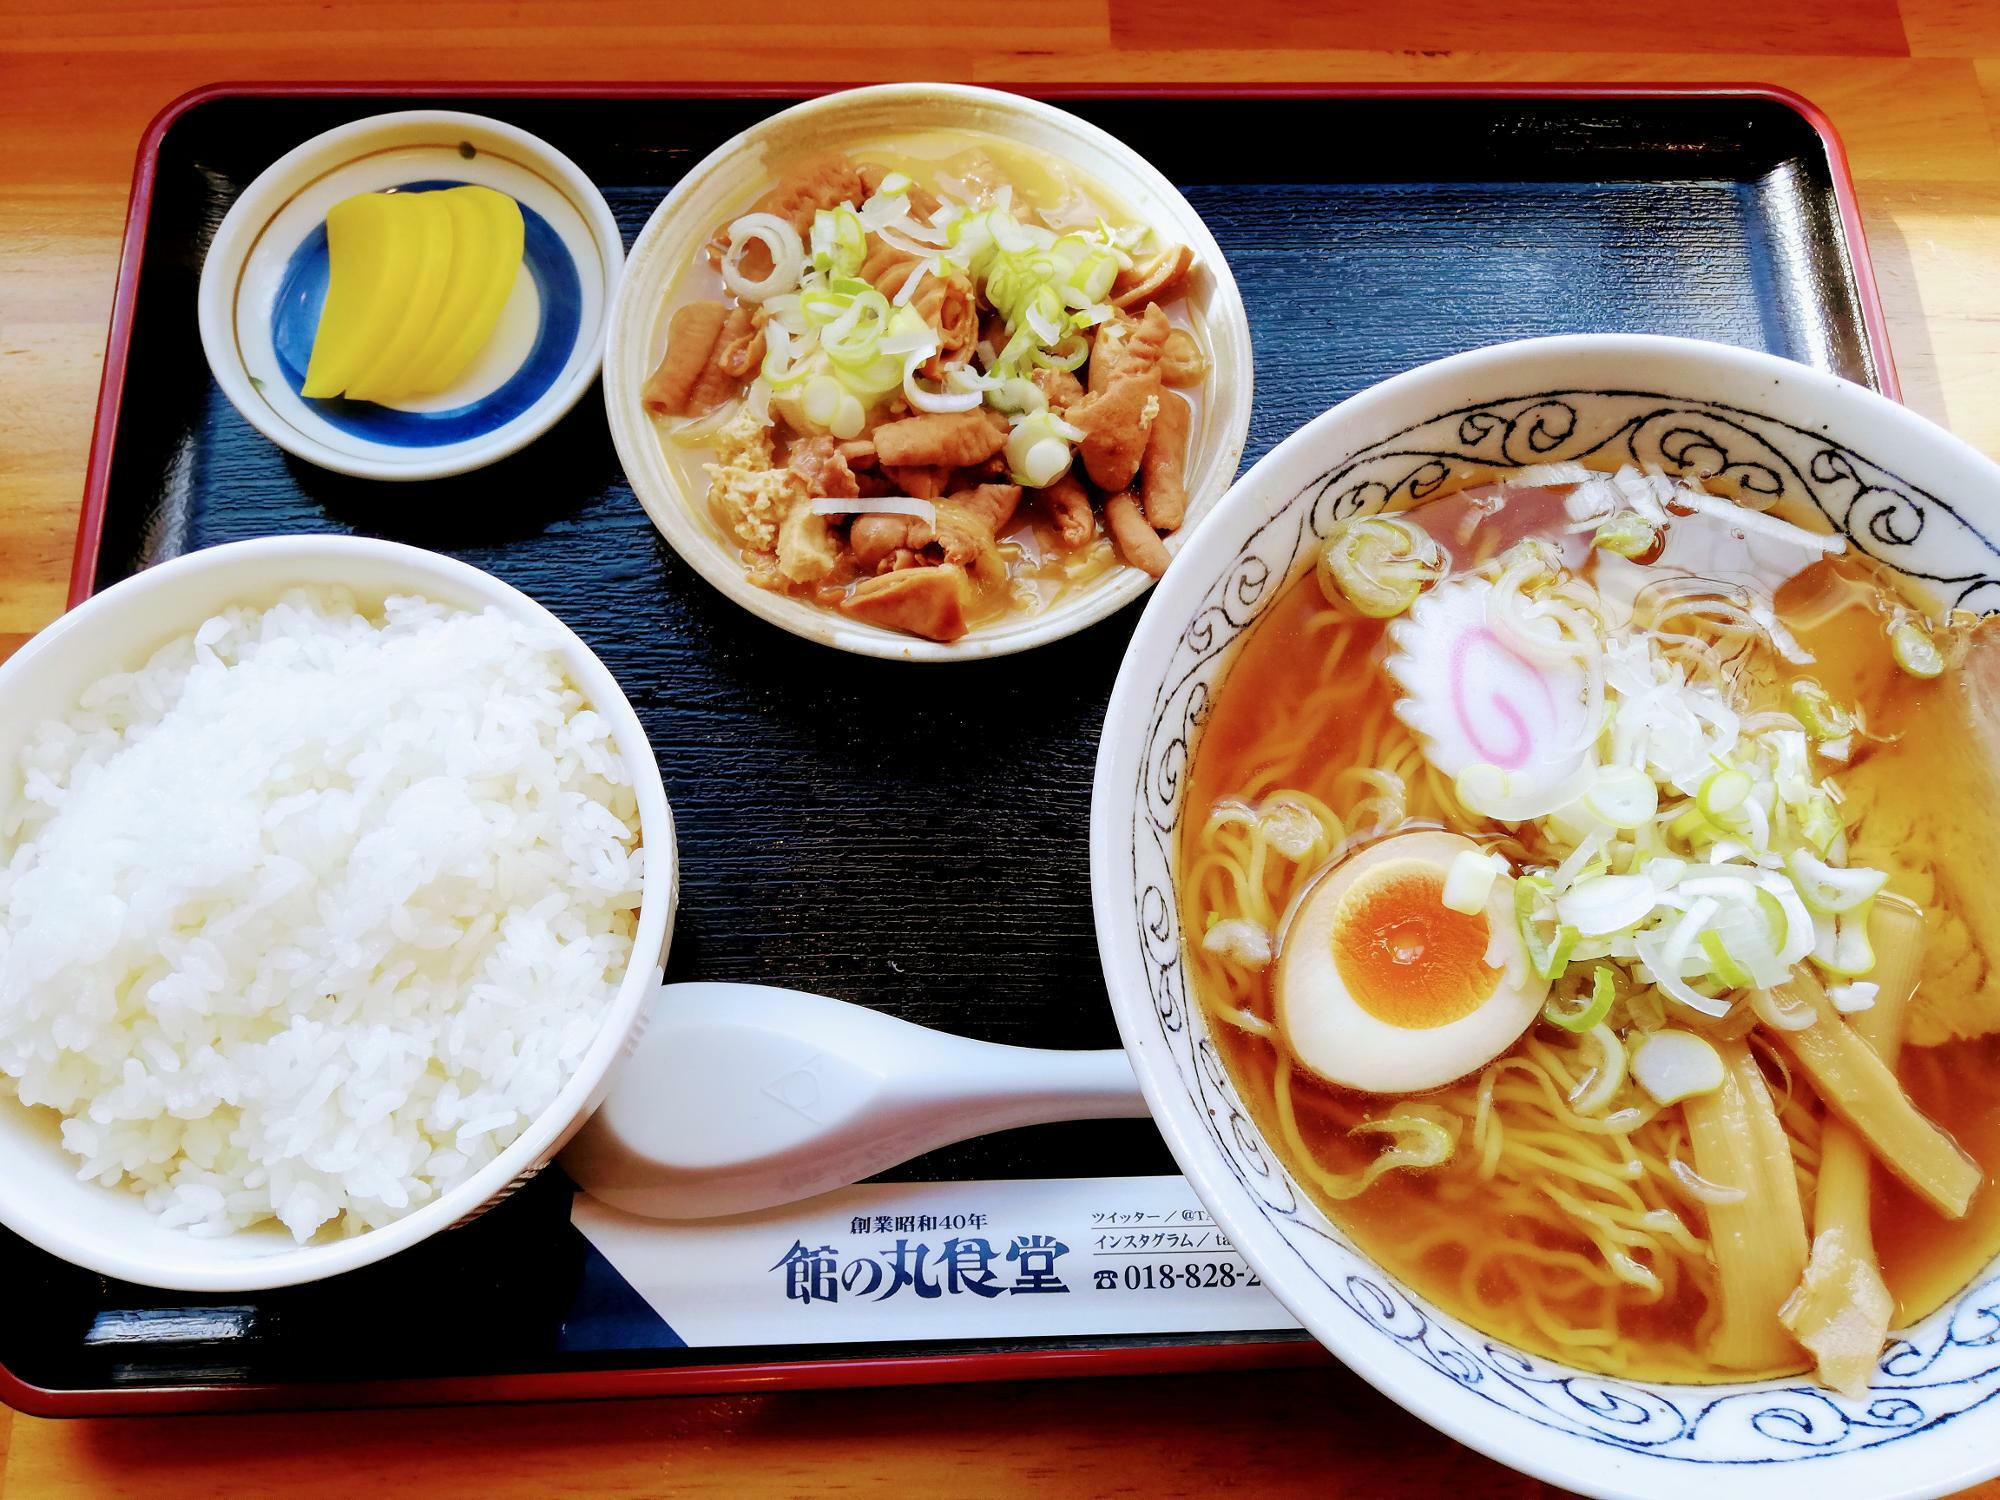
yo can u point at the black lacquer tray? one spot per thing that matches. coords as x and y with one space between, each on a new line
911 838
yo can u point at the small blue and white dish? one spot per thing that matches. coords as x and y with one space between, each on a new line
265 278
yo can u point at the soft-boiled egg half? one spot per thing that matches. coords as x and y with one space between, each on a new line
1382 987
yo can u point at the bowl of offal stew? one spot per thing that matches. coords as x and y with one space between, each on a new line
927 372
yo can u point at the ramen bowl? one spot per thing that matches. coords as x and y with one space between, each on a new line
726 182
1904 493
111 1230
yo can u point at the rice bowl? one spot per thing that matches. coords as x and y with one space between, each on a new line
405 944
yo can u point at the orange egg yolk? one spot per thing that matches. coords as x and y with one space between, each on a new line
1409 960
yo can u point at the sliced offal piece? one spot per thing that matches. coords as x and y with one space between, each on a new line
1155 281
1163 470
824 182
691 336
1067 505
968 527
930 602
1475 701
875 540
949 440
1138 544
1181 361
732 360
918 481
1115 427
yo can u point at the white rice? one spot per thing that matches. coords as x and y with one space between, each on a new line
312 915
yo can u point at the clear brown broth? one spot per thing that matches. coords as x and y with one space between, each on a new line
1925 1258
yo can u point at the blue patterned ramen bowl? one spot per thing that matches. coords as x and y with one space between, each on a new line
1905 493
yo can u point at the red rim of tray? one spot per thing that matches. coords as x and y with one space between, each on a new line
686 1380
900 1369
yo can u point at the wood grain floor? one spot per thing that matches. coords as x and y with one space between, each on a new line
1912 85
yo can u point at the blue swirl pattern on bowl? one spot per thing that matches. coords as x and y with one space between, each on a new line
1948 1365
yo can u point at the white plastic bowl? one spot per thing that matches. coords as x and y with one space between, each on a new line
109 1230
729 179
1904 492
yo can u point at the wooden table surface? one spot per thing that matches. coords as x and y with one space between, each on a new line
1912 85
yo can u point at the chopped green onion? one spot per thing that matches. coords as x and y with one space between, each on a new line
1045 288
1622 796
1603 991
1046 314
1841 945
819 307
1538 561
1819 823
779 368
1664 870
839 241
1601 904
1601 1084
1828 889
1469 881
923 398
1814 707
1911 644
698 432
856 335
820 400
877 377
1673 1065
1722 796
1017 350
1016 395
1378 565
1068 251
1777 923
1549 943
1066 355
1628 534
1092 276
1720 964
850 418
1038 449
1689 823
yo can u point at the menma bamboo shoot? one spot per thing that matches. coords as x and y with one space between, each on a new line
1862 1089
1759 1240
1842 1309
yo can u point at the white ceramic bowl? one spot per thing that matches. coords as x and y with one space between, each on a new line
265 276
730 178
1904 492
110 1230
